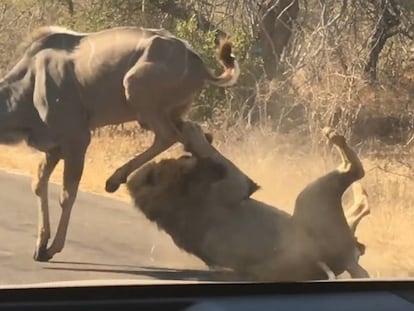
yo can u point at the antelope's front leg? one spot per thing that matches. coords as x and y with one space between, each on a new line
40 189
74 158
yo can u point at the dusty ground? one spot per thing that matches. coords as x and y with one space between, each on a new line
282 170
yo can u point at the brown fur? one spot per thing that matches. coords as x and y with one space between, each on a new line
203 202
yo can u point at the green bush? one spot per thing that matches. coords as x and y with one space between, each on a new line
213 100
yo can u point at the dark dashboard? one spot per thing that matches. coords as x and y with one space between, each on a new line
337 295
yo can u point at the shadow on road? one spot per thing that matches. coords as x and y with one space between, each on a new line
154 272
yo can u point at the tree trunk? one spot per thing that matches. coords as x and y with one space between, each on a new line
276 26
389 20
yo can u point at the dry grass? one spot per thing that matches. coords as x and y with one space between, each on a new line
282 165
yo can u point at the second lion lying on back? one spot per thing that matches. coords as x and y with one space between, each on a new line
203 202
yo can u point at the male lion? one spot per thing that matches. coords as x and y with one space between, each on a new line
203 202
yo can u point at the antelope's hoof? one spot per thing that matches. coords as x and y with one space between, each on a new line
113 183
41 255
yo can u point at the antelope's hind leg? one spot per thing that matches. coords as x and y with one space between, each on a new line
146 85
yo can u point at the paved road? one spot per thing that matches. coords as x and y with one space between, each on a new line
107 239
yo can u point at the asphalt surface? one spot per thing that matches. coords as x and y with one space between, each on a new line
107 239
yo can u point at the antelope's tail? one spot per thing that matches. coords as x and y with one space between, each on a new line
231 71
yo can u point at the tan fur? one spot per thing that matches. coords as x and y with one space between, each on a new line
203 202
